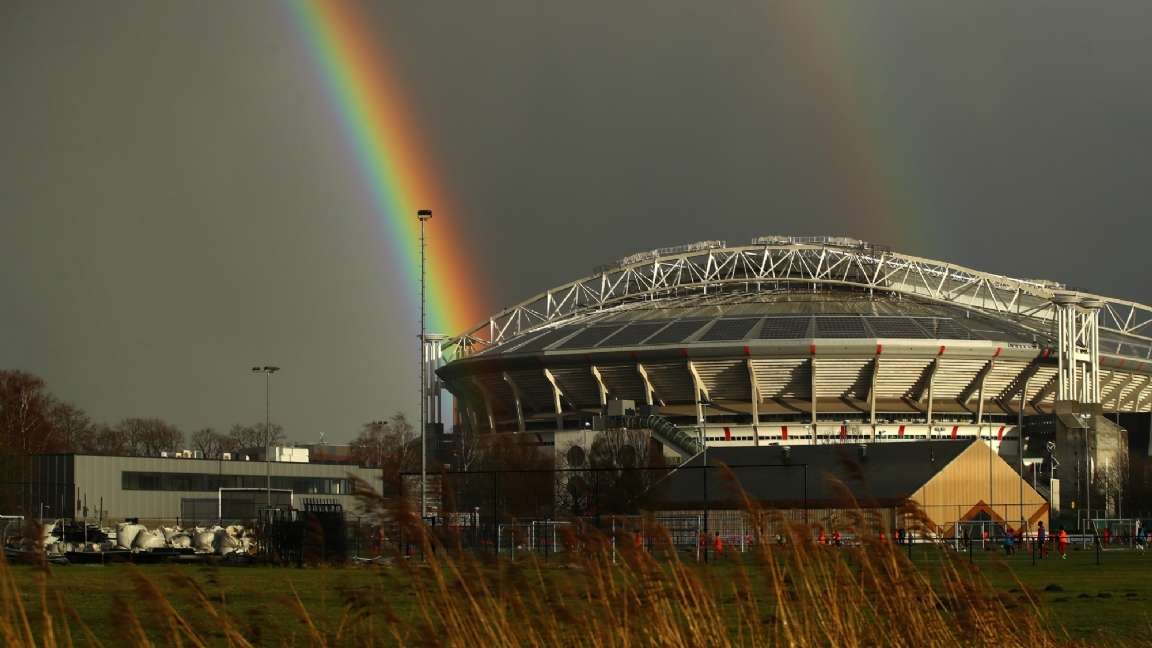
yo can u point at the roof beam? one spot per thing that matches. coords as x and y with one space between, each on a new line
926 380
1137 393
1048 388
1116 383
977 384
1020 380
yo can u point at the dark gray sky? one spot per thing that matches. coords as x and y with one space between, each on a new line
177 204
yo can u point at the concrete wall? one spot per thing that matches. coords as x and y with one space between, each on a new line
99 477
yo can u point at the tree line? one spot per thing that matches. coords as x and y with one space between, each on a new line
34 421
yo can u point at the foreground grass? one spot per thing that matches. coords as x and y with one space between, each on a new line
800 595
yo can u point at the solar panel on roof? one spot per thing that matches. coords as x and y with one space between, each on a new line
943 328
538 344
784 328
589 337
840 327
677 332
633 334
998 335
730 329
896 327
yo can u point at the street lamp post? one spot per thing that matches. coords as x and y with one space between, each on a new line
267 371
423 215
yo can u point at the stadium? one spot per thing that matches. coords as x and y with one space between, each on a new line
815 341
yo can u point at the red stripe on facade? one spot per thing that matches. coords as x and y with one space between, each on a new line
1000 434
783 431
727 434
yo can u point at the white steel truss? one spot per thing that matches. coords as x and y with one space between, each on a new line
785 263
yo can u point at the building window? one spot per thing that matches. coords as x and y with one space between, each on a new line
209 482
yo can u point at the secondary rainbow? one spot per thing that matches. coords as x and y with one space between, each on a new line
354 67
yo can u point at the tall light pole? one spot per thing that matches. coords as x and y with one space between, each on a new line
423 215
267 371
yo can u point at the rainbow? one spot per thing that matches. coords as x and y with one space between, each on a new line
888 209
382 136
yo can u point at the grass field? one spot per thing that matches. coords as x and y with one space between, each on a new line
1109 604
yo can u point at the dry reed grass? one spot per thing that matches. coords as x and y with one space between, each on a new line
798 594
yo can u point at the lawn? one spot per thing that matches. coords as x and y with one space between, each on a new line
1112 601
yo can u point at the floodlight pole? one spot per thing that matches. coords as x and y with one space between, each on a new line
267 371
423 215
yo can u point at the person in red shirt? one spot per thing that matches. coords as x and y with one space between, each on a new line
718 545
836 538
822 539
1062 543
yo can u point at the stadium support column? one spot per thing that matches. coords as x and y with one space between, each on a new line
602 389
649 393
812 386
484 396
931 395
1078 337
754 395
516 401
872 396
556 395
701 391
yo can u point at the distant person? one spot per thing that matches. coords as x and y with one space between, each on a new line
883 537
822 539
1107 536
837 539
1009 542
900 534
718 545
1041 538
1062 543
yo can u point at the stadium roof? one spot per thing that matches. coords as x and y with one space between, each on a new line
716 278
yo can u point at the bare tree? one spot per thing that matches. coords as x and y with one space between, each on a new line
209 443
25 405
72 428
148 437
254 439
392 446
110 440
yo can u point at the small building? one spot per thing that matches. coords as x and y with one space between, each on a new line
950 482
96 487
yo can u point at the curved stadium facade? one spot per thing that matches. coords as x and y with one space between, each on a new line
797 341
